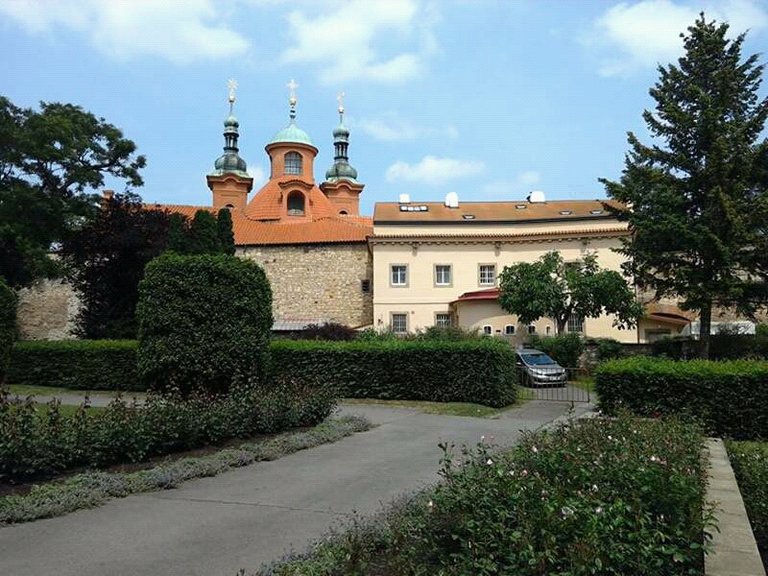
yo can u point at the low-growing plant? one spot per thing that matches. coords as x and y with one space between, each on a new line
45 442
7 325
328 331
727 398
608 349
609 497
750 465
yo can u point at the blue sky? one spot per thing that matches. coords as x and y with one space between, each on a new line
489 99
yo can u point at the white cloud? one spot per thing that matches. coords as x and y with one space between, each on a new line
647 33
392 128
434 170
181 31
258 174
518 187
346 42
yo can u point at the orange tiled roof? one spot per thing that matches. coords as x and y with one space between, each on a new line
249 232
267 203
520 211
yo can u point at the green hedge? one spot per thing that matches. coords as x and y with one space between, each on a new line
614 497
8 304
728 398
721 347
480 371
565 349
44 441
750 464
204 322
78 364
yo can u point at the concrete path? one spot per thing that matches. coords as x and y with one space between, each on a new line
241 519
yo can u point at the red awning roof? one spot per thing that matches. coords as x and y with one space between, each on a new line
487 294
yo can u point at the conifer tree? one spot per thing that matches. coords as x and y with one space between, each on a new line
225 233
695 198
203 232
178 234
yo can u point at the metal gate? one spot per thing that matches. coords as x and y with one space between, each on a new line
555 384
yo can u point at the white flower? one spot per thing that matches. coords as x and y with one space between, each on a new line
594 487
535 450
489 462
566 511
599 509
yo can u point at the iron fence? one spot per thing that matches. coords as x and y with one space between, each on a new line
554 383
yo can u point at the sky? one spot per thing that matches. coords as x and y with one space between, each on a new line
486 98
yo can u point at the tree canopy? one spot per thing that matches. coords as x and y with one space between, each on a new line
50 162
553 288
695 198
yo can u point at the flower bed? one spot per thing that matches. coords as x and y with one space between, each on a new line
750 465
608 497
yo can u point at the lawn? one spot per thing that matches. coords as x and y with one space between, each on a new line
24 390
441 408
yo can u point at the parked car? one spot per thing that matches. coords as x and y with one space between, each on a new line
535 368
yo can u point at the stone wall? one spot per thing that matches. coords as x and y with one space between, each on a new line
318 281
47 311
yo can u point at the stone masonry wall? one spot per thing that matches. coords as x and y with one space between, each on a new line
318 281
47 311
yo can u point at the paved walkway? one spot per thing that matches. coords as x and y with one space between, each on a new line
241 519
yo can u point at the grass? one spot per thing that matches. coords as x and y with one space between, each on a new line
66 410
24 390
93 489
441 408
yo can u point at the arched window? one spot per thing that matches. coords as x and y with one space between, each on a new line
343 213
296 203
293 163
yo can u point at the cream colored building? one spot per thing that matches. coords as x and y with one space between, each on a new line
438 264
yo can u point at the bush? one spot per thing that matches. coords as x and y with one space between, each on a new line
7 325
43 442
328 331
750 464
723 346
761 330
608 349
446 333
728 398
572 501
480 371
204 321
565 349
77 364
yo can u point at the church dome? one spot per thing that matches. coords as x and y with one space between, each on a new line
231 121
293 134
340 170
230 162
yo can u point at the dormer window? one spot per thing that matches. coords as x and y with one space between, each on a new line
295 203
293 164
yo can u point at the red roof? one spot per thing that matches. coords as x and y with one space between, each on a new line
487 294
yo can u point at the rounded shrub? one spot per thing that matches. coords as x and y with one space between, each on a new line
7 325
204 322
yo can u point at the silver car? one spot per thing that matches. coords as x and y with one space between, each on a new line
535 368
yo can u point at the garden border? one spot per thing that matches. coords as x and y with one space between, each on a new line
734 550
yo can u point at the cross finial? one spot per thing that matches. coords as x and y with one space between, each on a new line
292 85
231 86
340 99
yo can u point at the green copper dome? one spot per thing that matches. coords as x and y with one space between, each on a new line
231 121
230 162
340 170
292 133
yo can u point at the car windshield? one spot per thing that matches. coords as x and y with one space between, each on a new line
537 359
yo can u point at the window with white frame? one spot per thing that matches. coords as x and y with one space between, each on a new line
575 323
487 330
399 275
509 330
487 274
442 274
399 323
293 163
531 329
443 319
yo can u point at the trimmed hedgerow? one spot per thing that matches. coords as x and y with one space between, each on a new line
479 371
565 349
8 304
727 398
609 497
76 364
44 442
204 322
94 488
750 464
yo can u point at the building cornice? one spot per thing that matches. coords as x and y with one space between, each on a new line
501 238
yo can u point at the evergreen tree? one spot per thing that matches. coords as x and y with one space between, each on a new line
225 233
178 234
695 199
203 232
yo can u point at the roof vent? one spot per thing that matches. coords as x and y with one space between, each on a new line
452 200
536 196
595 212
468 216
405 199
521 206
566 212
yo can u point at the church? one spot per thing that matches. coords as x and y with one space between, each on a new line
410 266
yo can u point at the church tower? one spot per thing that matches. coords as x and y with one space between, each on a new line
341 186
229 181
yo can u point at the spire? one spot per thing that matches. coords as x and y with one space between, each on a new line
230 161
292 100
341 167
292 133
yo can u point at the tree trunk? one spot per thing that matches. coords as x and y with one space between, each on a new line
704 329
561 324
